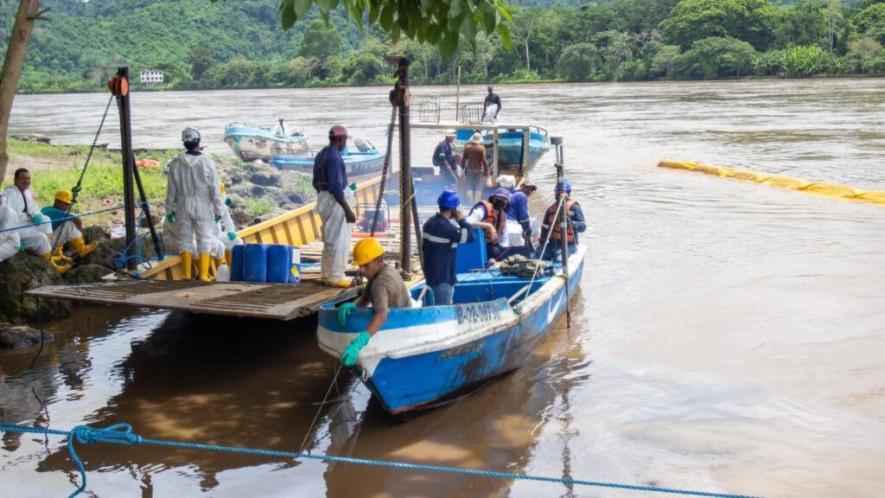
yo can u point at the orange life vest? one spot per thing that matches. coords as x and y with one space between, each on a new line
552 223
494 218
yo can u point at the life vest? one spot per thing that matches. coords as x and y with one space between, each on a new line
497 220
552 224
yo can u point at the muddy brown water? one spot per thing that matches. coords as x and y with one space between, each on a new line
727 337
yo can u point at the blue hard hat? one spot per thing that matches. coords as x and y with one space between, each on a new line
502 192
448 200
564 186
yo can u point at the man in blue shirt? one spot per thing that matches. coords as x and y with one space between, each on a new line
445 160
330 180
65 228
441 235
518 212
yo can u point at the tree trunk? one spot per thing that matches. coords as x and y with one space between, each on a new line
12 69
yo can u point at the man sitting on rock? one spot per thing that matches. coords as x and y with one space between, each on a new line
10 242
35 230
65 228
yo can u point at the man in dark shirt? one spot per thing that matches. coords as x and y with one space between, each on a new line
441 235
445 160
330 180
491 99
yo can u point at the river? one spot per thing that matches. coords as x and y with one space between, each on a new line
728 336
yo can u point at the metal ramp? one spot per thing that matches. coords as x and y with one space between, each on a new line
241 299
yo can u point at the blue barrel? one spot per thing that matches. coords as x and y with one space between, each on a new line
237 262
279 261
255 267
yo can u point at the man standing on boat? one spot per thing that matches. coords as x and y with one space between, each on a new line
491 106
445 160
575 223
440 238
193 200
385 290
330 180
491 216
476 167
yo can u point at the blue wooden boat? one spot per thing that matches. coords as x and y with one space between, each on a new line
365 160
251 142
510 144
423 357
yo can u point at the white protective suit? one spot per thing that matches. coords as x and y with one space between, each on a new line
336 237
9 241
35 238
222 241
66 232
193 194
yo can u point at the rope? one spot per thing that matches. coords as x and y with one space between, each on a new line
390 129
61 220
121 434
78 186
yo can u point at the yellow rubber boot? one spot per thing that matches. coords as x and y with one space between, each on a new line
81 247
187 263
61 268
219 262
341 284
59 255
203 264
229 257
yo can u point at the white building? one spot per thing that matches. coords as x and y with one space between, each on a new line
151 76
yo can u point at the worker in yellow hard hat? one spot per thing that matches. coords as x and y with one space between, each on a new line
384 290
65 227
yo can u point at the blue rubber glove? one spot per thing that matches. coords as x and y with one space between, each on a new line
170 216
232 235
228 202
344 311
350 355
37 218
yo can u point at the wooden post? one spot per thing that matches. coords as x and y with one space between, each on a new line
28 12
119 86
458 98
524 154
401 97
495 169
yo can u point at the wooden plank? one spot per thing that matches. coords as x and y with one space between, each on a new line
241 299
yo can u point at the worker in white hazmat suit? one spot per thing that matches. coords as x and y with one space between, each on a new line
194 201
35 237
10 241
330 182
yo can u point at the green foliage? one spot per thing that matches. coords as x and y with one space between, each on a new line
663 60
806 60
714 57
579 61
866 55
320 41
769 63
803 24
750 20
871 21
260 206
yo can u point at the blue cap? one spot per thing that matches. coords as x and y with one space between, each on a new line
564 186
448 200
502 192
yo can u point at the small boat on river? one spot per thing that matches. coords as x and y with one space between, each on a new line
360 157
510 149
251 143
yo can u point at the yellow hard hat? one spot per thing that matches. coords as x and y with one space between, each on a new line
367 250
222 188
64 196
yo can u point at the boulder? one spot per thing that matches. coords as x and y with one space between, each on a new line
20 274
20 336
297 198
85 274
266 179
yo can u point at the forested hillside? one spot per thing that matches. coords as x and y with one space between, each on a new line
239 44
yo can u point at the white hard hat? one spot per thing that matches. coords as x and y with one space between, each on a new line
506 181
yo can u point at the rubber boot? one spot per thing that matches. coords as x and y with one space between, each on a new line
59 255
187 263
341 284
61 268
81 247
205 259
229 257
219 262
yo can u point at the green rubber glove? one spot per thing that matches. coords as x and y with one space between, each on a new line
37 218
170 216
228 202
350 355
344 311
352 186
232 235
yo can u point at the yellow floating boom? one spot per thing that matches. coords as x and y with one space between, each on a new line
798 184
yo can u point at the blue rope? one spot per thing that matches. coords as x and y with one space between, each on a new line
60 220
122 434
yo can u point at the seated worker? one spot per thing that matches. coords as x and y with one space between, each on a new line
491 216
575 224
65 229
10 241
384 290
35 237
441 235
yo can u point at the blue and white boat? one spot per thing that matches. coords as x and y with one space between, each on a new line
510 144
251 142
423 357
365 159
